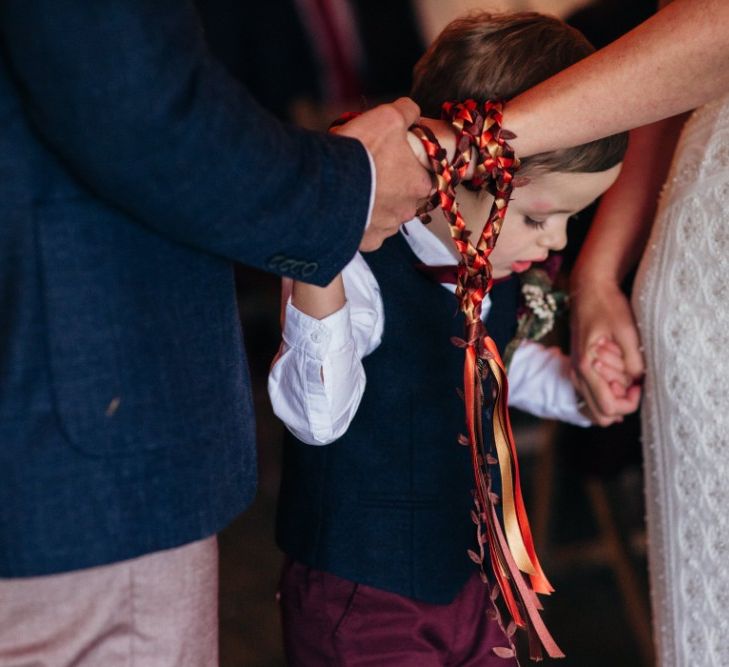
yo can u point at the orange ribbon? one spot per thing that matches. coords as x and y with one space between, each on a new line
511 548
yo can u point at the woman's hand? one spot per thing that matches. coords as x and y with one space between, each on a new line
607 363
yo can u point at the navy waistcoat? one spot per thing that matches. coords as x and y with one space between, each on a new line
388 504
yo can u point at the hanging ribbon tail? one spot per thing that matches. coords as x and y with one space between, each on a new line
539 635
518 595
511 548
516 522
498 564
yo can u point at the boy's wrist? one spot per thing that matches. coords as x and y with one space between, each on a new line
446 137
315 336
319 302
444 134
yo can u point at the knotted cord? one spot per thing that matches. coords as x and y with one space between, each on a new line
511 547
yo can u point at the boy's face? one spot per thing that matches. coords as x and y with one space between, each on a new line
536 220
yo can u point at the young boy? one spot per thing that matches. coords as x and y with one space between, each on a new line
376 525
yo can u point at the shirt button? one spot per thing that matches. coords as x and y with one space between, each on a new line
315 337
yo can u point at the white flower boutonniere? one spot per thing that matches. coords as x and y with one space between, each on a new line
541 304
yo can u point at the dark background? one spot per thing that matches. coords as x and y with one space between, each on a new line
584 487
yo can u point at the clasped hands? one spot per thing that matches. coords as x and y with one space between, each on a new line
607 359
401 180
403 177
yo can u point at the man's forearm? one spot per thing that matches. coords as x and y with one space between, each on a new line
126 93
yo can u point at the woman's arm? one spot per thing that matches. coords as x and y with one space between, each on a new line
599 308
673 62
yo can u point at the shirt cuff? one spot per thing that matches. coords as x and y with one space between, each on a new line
317 337
373 188
539 383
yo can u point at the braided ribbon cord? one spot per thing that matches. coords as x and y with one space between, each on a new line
511 547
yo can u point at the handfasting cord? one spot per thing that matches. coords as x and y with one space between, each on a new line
511 547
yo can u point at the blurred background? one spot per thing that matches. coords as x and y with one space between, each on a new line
307 61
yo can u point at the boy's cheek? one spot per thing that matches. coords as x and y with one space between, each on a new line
500 271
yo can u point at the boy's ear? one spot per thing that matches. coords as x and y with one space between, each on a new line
520 181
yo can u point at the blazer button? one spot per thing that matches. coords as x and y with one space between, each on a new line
275 261
309 269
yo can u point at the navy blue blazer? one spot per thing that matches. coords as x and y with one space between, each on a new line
133 171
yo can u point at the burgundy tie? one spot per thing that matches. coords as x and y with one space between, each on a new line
443 274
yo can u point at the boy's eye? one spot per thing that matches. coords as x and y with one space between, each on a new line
537 224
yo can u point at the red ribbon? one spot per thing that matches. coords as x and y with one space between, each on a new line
511 546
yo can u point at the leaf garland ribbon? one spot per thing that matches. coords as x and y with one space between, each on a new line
510 546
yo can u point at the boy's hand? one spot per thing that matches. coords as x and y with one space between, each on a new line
611 378
596 418
609 364
401 180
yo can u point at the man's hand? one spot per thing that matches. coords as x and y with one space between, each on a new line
401 180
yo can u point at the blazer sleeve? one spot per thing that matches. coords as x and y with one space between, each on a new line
126 93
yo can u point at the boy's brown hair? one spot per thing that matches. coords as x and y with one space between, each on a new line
497 56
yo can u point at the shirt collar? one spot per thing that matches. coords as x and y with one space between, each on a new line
426 245
430 250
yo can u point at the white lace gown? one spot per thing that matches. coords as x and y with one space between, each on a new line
681 300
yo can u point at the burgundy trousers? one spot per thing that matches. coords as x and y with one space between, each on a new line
332 621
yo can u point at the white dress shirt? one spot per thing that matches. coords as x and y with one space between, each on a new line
317 379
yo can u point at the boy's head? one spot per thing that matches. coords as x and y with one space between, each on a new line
536 220
497 56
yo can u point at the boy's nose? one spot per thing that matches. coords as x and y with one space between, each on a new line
555 239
